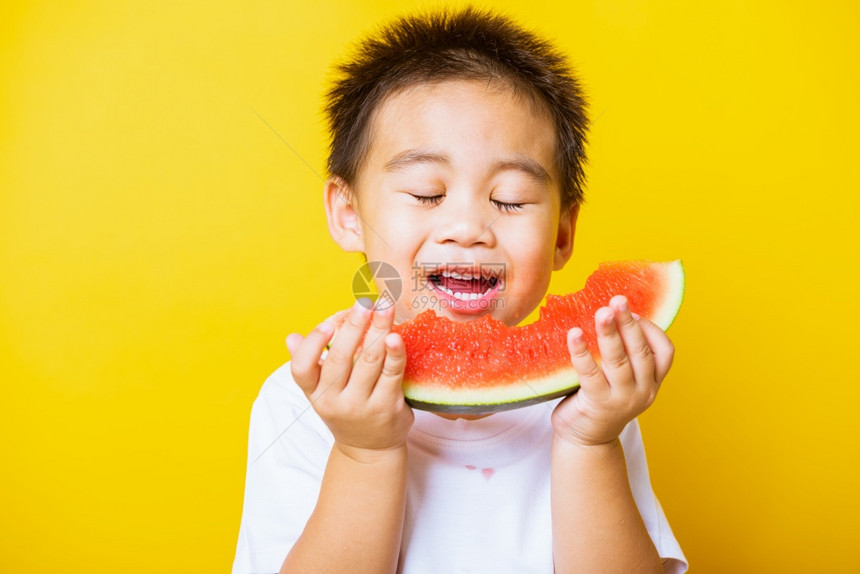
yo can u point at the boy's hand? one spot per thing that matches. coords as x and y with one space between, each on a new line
636 356
360 401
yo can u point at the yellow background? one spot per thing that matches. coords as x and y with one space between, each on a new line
158 241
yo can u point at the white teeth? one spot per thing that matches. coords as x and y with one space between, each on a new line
461 296
468 296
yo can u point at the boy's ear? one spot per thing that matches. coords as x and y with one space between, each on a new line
564 239
344 223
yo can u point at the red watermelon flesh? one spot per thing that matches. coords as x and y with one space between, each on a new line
484 366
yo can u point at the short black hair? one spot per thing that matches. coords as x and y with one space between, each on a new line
466 44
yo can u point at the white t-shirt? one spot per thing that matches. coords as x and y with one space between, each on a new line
478 492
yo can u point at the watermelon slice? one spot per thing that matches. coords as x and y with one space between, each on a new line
484 366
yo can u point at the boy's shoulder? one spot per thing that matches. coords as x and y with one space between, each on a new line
281 385
281 404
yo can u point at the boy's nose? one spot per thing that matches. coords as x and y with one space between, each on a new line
466 226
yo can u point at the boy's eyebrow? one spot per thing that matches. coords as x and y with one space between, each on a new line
412 156
530 167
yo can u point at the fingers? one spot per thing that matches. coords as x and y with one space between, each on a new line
634 351
591 377
305 355
615 362
636 347
661 347
635 356
293 342
391 378
339 361
369 363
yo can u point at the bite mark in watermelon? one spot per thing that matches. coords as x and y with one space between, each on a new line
484 366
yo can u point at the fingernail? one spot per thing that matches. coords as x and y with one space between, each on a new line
576 334
326 328
621 302
635 316
605 315
391 340
382 306
363 304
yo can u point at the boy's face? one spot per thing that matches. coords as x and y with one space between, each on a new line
460 194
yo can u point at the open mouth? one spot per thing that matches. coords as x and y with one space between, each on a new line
465 285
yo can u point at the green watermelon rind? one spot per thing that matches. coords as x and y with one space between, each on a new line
533 391
674 297
486 409
466 401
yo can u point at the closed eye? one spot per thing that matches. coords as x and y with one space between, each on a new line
428 199
507 207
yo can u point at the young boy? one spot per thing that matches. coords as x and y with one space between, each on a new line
457 146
